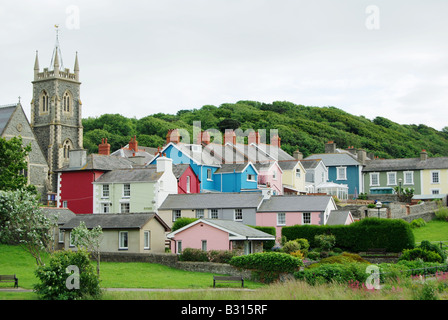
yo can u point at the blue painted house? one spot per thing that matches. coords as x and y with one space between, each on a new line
214 176
342 169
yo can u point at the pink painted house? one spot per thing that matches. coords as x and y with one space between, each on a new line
214 234
281 211
270 176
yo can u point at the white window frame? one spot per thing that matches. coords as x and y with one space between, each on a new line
209 175
281 218
128 210
64 204
250 177
105 193
70 239
411 173
199 213
179 246
340 176
61 236
214 214
306 218
126 190
188 184
204 245
176 214
377 175
389 182
121 244
146 240
438 176
103 206
435 191
274 175
298 172
238 212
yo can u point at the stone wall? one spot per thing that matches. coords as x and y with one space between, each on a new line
171 260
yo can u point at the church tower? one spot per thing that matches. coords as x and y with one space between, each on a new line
56 116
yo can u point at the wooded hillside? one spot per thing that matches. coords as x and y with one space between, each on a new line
300 127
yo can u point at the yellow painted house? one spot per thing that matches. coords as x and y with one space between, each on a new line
434 178
293 176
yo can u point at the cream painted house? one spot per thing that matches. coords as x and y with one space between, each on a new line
134 190
132 233
293 177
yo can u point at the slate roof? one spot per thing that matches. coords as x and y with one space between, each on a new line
235 229
287 164
130 175
5 114
178 169
337 217
63 214
212 200
310 163
232 167
295 203
147 152
101 162
406 164
334 159
114 221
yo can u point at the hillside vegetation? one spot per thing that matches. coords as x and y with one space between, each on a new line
300 127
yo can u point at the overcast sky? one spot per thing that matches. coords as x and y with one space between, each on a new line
371 58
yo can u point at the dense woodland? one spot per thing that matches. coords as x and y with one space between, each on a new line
300 127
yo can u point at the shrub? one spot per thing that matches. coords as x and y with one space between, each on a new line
54 277
425 244
220 256
333 272
418 223
291 246
392 234
442 213
298 254
267 261
420 253
267 266
325 241
191 254
182 222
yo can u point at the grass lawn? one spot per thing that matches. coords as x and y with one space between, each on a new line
434 230
14 260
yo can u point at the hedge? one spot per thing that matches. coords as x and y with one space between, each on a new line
394 235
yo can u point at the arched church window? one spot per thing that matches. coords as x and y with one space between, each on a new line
66 101
67 146
44 102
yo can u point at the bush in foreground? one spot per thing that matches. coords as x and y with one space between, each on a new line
57 282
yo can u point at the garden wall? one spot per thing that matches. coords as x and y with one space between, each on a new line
171 260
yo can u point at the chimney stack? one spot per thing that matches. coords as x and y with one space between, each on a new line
203 137
104 147
330 147
253 137
276 141
173 136
298 155
164 164
230 136
362 156
423 155
78 158
133 144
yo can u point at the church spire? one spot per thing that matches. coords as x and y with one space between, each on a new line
76 69
36 67
56 59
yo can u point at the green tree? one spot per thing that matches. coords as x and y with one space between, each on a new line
23 222
88 239
13 164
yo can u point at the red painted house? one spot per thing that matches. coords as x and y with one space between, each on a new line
187 180
75 189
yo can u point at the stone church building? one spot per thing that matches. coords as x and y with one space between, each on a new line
55 126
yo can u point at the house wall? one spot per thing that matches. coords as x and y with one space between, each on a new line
192 238
352 175
235 182
76 188
223 214
269 219
267 176
179 157
290 178
428 186
417 185
194 182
